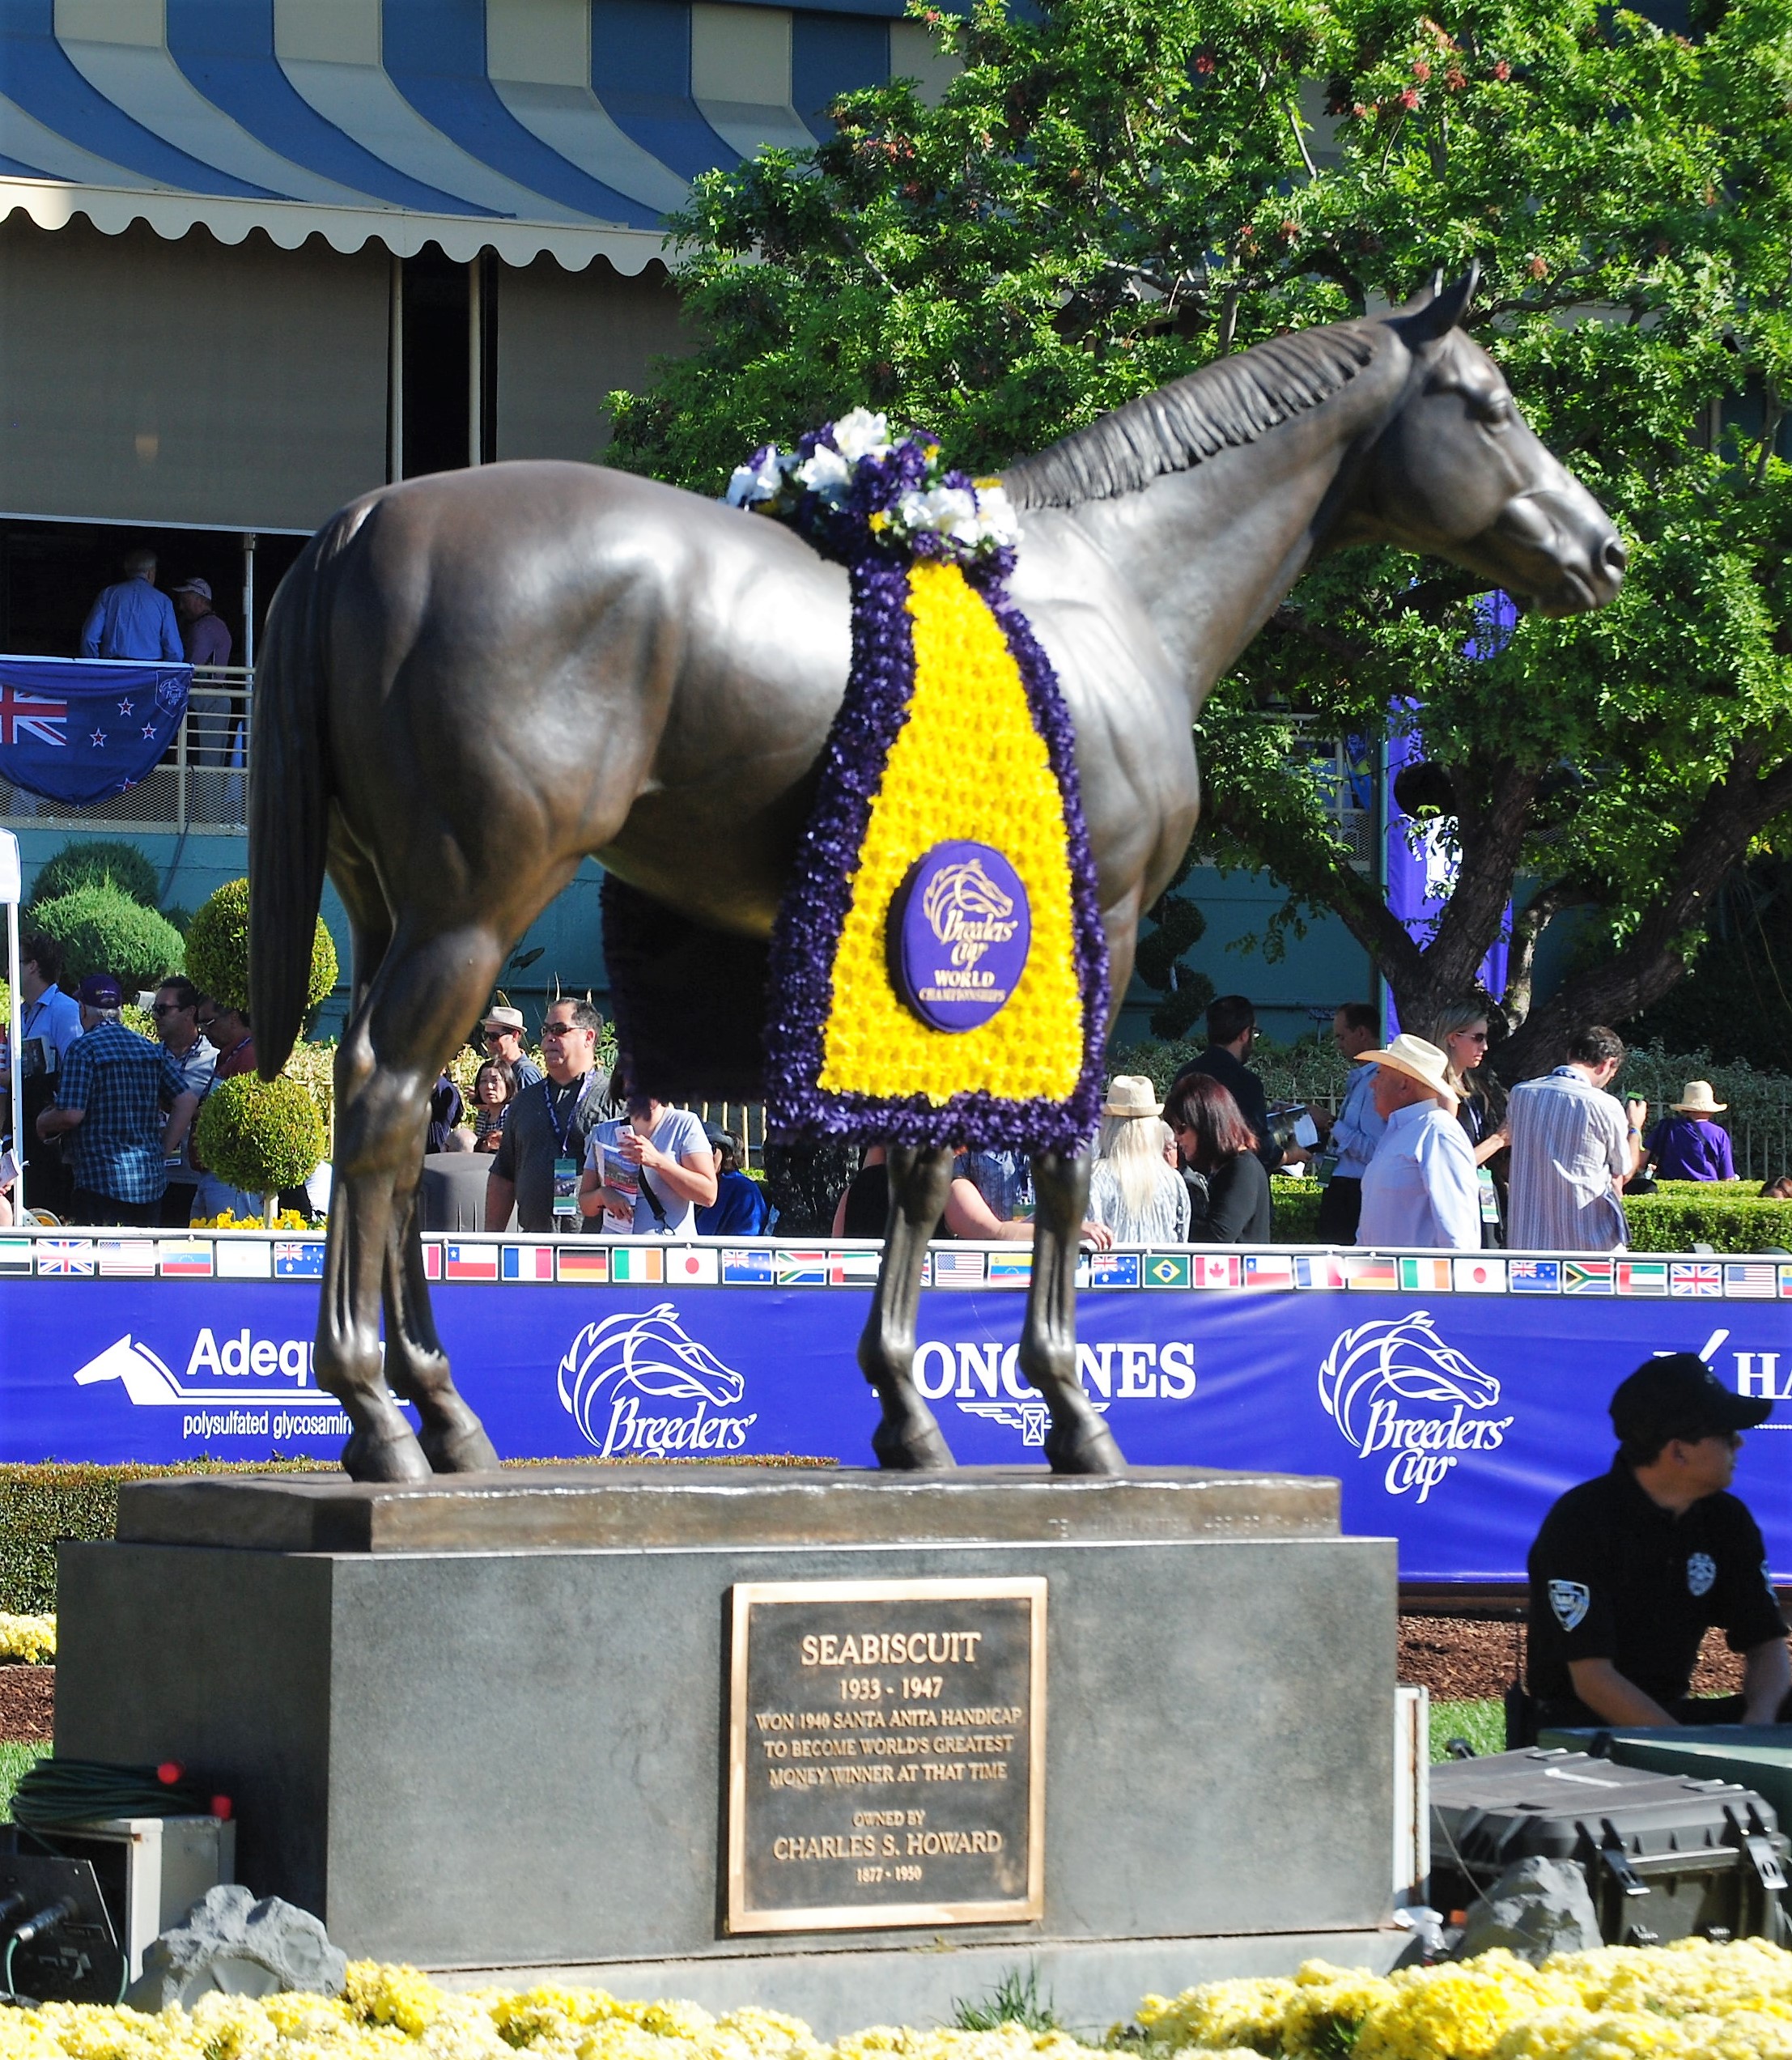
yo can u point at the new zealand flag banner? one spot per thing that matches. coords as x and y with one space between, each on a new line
77 729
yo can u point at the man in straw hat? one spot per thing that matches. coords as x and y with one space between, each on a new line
503 1039
1685 1146
1419 1189
1572 1149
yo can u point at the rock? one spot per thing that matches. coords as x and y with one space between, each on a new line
230 1941
1537 1907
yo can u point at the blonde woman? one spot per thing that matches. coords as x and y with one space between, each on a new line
1142 1199
1462 1034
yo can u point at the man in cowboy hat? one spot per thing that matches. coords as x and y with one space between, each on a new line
1630 1570
1420 1189
1684 1146
503 1039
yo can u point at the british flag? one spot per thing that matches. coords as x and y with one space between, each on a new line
38 717
1694 1277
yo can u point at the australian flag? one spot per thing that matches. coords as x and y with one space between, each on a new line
76 730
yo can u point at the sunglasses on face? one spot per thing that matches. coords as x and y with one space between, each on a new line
167 1009
1472 1037
558 1029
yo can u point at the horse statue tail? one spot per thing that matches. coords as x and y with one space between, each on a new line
289 790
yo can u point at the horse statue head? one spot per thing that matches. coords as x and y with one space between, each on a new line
1460 474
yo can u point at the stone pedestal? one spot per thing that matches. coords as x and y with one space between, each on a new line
483 1724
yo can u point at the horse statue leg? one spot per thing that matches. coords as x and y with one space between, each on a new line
1078 1441
453 1439
907 1439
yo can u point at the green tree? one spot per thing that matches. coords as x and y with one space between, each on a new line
1113 194
261 1135
102 930
218 950
97 862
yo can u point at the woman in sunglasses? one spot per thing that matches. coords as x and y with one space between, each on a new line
1462 1031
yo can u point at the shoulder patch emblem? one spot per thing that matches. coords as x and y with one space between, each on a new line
1570 1600
1701 1573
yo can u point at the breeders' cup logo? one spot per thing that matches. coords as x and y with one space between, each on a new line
960 930
967 910
617 1376
1371 1380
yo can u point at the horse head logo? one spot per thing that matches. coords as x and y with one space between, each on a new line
1406 1359
964 892
646 1354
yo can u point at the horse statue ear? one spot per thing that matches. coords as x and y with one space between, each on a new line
1436 309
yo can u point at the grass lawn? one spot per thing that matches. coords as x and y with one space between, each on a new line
1482 1724
14 1760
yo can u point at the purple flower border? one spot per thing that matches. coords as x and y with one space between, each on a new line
812 913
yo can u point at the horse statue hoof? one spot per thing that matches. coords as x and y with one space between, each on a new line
909 1440
394 1455
463 1448
1083 1448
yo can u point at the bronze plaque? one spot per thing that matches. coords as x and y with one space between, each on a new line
886 1754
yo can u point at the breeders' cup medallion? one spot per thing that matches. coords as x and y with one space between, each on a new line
1405 1400
960 930
639 1382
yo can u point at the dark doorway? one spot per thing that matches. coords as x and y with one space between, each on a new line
436 310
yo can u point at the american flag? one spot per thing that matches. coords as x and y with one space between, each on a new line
957 1269
1753 1280
37 715
131 1258
1697 1276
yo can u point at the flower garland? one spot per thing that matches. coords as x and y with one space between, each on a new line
953 729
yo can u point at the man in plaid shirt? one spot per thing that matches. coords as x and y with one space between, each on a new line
111 1093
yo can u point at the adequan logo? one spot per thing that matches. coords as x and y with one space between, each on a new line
1372 1379
616 1377
238 1365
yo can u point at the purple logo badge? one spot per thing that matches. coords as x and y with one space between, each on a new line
960 930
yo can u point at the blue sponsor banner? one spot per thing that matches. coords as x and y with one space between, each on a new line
77 729
1453 1419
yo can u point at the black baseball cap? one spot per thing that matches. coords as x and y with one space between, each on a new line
1678 1397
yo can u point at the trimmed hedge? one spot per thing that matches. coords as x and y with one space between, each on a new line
217 948
96 862
1729 1218
260 1135
102 930
39 1505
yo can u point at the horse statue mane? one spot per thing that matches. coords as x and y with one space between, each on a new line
1231 402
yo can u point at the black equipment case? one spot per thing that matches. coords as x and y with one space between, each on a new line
1665 1856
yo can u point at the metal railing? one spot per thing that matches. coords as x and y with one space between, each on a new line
199 785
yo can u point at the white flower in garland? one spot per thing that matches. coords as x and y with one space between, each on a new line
862 435
760 479
826 472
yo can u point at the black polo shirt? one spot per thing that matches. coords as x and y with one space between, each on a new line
1614 1576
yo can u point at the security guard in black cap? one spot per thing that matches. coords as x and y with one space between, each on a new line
1630 1571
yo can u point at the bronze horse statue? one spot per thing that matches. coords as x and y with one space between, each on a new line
473 680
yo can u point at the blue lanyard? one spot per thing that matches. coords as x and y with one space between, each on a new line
563 1130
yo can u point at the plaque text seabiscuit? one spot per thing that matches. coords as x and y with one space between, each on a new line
886 1754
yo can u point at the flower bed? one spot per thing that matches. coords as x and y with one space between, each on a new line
1691 2001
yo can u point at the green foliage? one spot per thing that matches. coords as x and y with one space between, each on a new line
1730 1219
1112 193
1178 925
1015 1999
217 948
261 1135
97 862
103 931
14 1761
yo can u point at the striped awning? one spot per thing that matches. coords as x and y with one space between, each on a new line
523 126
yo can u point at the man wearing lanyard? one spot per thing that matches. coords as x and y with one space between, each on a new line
50 1021
535 1169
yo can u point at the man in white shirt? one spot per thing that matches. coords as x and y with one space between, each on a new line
1420 1189
650 1175
50 1021
1573 1150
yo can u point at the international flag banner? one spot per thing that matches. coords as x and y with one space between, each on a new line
1319 1270
1751 1280
432 1258
582 1262
637 1265
1216 1269
801 1269
300 1262
695 1265
186 1259
1166 1269
746 1268
1480 1275
127 1259
252 1259
64 1256
1374 1270
526 1263
958 1269
462 1262
1698 1278
1425 1276
1112 1269
15 1255
1642 1276
1586 1277
850 1268
1534 1275
1268 1269
1011 1269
